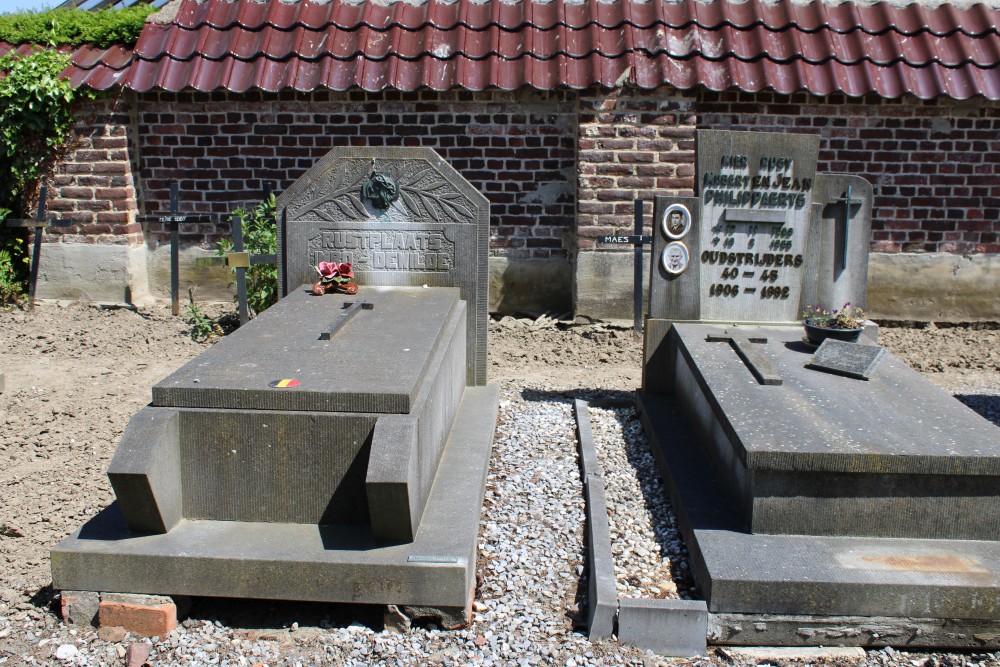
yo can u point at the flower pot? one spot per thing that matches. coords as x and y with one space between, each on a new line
817 334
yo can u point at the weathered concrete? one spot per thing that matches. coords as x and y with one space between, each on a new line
401 330
675 628
771 630
823 454
434 232
145 471
113 274
603 287
299 561
530 285
934 287
80 607
212 283
820 576
602 594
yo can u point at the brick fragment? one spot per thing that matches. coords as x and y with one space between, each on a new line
143 615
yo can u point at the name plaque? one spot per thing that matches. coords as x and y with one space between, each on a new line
756 196
853 360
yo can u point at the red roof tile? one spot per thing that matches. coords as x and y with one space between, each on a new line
755 45
89 66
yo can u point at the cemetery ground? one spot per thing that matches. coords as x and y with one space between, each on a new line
75 375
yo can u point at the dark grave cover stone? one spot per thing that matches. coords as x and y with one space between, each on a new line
852 360
374 363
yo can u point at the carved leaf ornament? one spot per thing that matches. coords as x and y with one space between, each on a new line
414 186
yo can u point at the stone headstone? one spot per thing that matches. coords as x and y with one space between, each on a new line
767 235
401 217
336 447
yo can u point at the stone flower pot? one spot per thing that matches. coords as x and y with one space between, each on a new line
816 333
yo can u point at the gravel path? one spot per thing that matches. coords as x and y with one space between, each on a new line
651 560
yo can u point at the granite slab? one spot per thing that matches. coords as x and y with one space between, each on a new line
375 363
823 454
300 561
823 576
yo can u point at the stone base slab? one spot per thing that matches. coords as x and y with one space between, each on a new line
869 631
953 582
304 562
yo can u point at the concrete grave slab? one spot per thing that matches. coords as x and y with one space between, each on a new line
823 454
402 330
826 497
820 580
301 561
331 449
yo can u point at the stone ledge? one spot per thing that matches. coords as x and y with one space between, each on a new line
674 628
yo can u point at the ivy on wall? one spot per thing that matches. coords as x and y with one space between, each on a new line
36 118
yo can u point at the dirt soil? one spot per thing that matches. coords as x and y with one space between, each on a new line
75 374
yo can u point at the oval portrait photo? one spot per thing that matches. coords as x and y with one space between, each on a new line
676 221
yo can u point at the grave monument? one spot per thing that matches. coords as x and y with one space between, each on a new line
830 496
334 449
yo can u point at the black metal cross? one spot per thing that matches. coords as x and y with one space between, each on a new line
175 220
751 356
38 224
636 240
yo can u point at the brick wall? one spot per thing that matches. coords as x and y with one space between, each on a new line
934 165
560 169
93 185
632 144
519 149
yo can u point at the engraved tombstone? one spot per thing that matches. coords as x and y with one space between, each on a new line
425 220
816 488
335 448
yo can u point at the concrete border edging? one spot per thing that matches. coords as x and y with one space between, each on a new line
602 599
674 628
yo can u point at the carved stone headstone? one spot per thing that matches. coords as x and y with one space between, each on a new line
809 498
402 217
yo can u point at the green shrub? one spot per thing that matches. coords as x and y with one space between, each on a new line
36 119
260 237
75 26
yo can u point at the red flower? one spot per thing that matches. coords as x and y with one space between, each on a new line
346 270
328 270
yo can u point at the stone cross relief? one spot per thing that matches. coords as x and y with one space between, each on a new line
349 312
754 359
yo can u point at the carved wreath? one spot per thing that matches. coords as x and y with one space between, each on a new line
422 191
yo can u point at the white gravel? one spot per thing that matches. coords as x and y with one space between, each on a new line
651 560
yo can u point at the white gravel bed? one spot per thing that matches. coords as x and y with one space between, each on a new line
531 562
651 560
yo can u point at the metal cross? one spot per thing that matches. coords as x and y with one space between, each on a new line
751 356
175 219
38 224
350 310
637 241
240 260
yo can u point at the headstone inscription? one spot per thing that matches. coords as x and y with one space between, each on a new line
333 449
843 488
